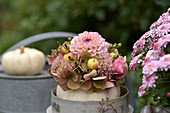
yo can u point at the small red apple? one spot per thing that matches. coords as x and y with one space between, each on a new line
63 50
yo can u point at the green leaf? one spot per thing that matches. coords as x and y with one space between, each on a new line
164 102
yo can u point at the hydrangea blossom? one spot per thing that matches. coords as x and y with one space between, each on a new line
106 66
59 64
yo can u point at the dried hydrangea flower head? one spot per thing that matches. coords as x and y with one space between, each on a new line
88 41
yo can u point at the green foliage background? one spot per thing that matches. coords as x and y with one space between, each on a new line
116 20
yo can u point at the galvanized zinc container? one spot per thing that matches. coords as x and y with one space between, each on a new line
28 94
59 105
25 94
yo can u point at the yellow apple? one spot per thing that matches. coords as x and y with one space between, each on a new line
92 63
66 57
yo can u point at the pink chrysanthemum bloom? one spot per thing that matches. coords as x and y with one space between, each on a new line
161 43
164 62
164 18
164 39
133 67
153 55
59 64
163 29
149 81
134 52
135 60
147 34
150 68
146 61
88 41
140 43
154 25
141 90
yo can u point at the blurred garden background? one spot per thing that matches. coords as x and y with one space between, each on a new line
122 21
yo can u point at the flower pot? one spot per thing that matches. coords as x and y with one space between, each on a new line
150 109
59 105
25 94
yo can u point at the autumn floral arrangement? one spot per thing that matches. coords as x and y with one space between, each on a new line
87 62
151 55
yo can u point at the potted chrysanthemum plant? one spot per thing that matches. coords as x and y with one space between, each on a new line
151 56
87 68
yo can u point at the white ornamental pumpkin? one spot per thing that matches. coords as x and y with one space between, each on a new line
23 61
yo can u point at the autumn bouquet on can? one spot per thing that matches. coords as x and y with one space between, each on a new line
87 63
151 55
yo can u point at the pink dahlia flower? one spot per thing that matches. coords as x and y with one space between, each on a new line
88 41
149 81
